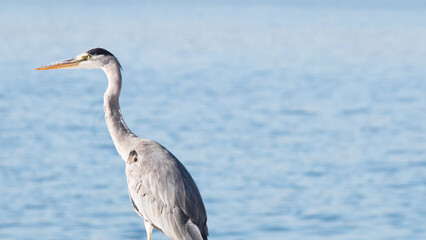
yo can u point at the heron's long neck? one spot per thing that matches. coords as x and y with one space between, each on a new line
120 133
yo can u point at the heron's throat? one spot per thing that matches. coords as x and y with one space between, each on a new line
113 72
120 133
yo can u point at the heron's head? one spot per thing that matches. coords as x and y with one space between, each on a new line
94 58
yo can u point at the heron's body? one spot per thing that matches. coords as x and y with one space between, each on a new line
164 194
161 190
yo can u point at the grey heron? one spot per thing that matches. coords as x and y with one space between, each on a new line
161 189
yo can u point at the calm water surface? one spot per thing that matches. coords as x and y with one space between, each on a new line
296 122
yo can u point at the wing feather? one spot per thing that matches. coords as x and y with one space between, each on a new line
164 193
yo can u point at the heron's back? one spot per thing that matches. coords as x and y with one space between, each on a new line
164 193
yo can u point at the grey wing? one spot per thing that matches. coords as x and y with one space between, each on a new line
164 193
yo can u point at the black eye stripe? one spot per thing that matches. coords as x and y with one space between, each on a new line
99 51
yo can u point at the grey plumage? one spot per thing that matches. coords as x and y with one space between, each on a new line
161 190
164 193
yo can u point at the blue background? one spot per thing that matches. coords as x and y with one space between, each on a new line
297 120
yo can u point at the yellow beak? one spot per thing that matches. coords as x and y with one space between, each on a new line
62 64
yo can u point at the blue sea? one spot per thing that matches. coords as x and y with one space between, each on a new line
297 120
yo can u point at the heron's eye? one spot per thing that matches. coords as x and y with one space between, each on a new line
135 159
84 58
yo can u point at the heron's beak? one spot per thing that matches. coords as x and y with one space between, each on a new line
62 64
